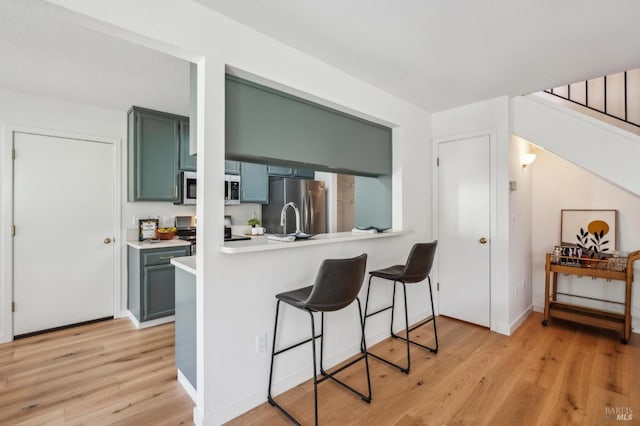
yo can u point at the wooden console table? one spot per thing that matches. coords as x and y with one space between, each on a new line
590 316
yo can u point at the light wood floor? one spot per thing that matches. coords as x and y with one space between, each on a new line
102 373
557 375
109 372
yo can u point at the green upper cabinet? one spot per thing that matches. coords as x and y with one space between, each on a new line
153 155
267 125
187 162
254 183
291 172
158 147
279 171
231 167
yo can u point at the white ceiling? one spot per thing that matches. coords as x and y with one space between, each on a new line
435 54
440 54
43 54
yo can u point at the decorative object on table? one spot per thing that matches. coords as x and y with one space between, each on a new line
593 231
147 229
570 255
166 233
368 230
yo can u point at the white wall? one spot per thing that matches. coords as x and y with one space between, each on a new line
235 293
44 113
519 234
490 117
558 184
579 138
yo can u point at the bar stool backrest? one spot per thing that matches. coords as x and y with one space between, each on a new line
419 263
337 284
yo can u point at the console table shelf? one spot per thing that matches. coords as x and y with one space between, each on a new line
595 317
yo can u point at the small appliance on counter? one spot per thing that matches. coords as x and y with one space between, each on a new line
186 230
230 237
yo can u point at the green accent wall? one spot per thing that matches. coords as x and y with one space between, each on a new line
268 126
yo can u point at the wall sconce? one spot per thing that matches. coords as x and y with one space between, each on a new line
526 159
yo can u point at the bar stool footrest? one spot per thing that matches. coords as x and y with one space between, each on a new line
327 375
402 369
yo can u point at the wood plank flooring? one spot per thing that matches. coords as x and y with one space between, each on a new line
111 373
563 374
102 373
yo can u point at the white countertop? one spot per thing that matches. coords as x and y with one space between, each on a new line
152 244
262 243
187 264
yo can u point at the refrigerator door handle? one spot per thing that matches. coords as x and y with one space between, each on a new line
310 212
305 211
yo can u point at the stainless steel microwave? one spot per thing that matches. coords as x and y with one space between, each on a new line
187 188
231 190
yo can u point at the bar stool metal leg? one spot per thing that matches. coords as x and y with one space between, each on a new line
343 277
430 318
408 329
326 375
315 372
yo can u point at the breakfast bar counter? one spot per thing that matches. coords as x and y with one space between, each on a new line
263 243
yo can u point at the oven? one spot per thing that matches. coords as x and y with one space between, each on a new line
186 230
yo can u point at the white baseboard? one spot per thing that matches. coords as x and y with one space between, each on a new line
145 324
188 387
538 308
198 419
523 316
293 378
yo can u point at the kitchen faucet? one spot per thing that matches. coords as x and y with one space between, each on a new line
283 217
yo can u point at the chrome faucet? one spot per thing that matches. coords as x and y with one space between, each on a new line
283 217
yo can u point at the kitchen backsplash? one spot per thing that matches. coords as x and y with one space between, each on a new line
241 214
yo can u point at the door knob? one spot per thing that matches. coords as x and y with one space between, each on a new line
483 240
107 240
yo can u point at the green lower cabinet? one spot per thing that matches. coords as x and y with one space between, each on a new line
186 325
152 281
158 291
254 183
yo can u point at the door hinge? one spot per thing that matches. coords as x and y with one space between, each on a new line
438 162
13 154
13 306
13 230
438 286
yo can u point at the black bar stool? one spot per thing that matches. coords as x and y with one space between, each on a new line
416 269
336 286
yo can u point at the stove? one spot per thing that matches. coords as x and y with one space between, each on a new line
187 233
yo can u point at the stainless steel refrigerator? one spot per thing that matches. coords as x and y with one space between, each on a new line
308 195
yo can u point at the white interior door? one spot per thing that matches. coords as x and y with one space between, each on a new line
63 209
464 229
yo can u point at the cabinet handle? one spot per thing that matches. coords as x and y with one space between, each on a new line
175 190
166 257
